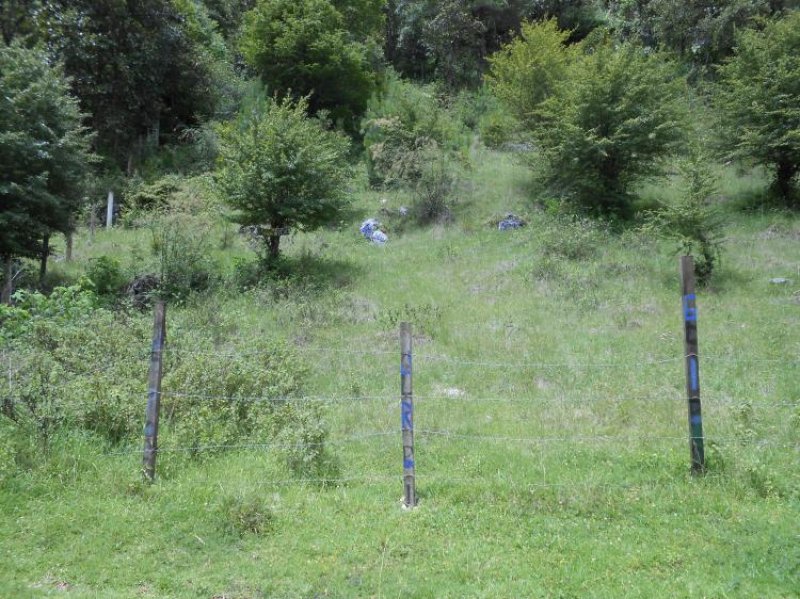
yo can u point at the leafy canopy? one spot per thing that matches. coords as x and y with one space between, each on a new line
281 170
44 150
759 100
527 70
304 48
602 115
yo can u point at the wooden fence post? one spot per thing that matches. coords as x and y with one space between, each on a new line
692 365
110 210
154 393
407 417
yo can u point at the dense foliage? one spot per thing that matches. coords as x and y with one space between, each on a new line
759 98
603 115
281 170
527 70
44 150
140 69
304 48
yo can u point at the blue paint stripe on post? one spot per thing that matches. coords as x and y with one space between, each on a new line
689 311
406 418
693 375
408 463
697 419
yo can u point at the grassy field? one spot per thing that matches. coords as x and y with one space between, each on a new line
550 414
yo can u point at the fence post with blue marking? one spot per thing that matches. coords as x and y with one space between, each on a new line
154 393
689 303
407 417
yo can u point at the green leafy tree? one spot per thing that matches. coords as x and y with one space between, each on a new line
701 32
17 18
527 70
44 150
602 116
456 39
304 48
451 40
141 69
693 221
759 99
281 170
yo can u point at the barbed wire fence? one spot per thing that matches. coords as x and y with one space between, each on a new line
547 430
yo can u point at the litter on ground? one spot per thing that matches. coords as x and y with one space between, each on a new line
510 222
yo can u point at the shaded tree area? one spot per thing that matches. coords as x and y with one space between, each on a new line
759 100
141 69
44 150
319 50
451 40
701 32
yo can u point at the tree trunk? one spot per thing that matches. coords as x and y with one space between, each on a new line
68 237
390 47
274 246
92 222
783 178
8 281
45 254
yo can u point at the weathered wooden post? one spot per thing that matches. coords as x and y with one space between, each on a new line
110 210
154 393
407 417
692 365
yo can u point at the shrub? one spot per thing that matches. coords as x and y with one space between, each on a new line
497 128
693 222
602 116
433 193
402 127
72 365
301 438
282 171
180 245
106 275
573 238
142 197
758 96
245 514
609 124
528 70
211 400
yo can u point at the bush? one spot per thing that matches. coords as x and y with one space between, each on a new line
602 116
433 192
693 222
142 197
573 238
215 400
181 247
530 68
72 365
608 125
402 127
106 275
497 128
245 514
758 97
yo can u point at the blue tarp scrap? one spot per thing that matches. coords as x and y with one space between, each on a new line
510 222
371 230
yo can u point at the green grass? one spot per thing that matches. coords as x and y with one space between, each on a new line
551 446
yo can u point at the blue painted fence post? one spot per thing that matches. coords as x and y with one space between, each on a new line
692 365
154 393
407 417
